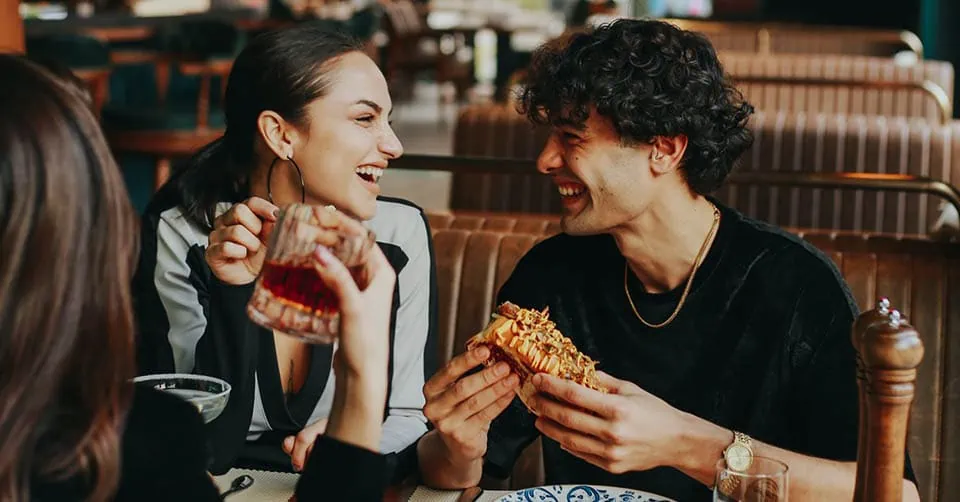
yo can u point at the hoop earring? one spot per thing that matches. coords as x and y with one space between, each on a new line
303 188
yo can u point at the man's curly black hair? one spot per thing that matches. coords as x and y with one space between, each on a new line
650 79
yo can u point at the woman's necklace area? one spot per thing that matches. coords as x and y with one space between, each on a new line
686 289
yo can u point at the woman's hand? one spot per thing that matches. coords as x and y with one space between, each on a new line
365 310
300 446
237 244
360 362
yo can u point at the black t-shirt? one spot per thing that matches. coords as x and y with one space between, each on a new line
762 346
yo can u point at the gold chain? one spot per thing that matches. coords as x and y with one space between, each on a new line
686 289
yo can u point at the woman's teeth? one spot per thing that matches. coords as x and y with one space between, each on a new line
570 190
371 174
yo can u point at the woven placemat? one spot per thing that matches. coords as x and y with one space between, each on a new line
267 486
424 494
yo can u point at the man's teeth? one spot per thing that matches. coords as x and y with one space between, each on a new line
374 172
570 190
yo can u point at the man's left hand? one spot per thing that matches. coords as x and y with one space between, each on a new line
627 429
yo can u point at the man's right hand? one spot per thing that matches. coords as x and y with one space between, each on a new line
237 244
461 408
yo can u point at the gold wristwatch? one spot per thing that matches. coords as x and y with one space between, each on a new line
739 455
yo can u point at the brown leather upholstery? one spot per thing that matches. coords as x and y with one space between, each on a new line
783 141
499 131
866 42
847 100
919 276
518 223
768 38
831 143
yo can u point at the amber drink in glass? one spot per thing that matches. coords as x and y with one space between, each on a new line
289 296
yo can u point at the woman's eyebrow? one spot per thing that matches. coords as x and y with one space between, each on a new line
373 104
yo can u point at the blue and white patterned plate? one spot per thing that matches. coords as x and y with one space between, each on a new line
581 493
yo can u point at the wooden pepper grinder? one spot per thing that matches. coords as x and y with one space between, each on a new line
889 351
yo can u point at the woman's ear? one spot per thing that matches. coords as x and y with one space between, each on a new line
667 153
278 134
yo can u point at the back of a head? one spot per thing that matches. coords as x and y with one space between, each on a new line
68 233
65 76
283 71
649 78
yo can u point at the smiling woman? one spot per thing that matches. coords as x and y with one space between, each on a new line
307 120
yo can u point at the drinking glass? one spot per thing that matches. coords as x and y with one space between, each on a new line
764 481
289 295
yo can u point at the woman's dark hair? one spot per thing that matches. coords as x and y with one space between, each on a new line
68 234
282 71
65 75
649 78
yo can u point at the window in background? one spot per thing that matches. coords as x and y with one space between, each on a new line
669 8
537 5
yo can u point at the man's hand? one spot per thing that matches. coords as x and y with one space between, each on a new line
628 429
300 446
462 407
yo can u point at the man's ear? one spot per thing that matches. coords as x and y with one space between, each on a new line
666 153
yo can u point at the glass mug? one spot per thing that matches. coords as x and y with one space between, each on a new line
289 295
764 481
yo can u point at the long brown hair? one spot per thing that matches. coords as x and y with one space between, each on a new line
67 243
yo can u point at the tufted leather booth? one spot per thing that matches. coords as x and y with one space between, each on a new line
836 143
783 142
847 99
781 39
500 132
866 42
516 223
921 277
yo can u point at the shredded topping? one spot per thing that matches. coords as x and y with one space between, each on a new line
545 350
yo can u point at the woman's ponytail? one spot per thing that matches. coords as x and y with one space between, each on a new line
208 178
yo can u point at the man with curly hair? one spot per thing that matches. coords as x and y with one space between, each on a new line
721 337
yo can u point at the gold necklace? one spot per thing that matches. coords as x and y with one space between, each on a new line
686 289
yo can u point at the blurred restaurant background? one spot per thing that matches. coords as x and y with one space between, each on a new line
857 143
156 67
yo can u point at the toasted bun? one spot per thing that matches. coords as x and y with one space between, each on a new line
530 343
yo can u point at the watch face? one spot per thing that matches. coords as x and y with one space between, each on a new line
738 458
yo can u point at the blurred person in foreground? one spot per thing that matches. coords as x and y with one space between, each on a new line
717 333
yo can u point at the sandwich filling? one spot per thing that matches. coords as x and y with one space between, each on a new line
531 343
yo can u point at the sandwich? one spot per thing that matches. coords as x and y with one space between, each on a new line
530 343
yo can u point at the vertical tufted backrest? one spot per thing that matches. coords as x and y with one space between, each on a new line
836 143
499 131
846 99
